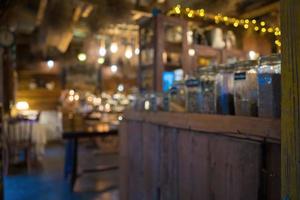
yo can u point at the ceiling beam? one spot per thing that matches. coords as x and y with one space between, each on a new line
261 11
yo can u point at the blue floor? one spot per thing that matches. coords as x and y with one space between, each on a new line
48 183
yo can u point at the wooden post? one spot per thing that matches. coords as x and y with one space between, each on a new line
290 125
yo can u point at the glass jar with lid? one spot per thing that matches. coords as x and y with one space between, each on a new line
207 76
245 88
224 89
177 97
193 91
162 101
269 86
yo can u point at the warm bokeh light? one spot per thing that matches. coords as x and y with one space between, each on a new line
114 47
81 57
50 64
114 68
22 105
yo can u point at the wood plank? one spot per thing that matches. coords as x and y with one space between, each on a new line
236 126
185 159
151 160
234 169
135 150
124 161
200 167
168 164
290 150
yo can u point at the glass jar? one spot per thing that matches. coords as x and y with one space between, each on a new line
162 101
207 76
193 91
269 86
224 90
245 88
177 97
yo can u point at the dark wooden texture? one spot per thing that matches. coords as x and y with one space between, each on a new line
290 154
237 126
161 161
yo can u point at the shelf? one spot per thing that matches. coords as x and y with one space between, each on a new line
236 126
173 47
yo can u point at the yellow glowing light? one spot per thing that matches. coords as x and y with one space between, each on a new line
81 57
187 9
262 23
278 43
177 9
201 12
101 60
225 19
277 29
247 21
236 24
242 21
191 14
22 105
256 28
263 30
270 30
246 26
253 21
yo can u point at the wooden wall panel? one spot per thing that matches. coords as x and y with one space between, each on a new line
165 163
185 161
234 169
135 152
124 160
169 164
200 184
151 160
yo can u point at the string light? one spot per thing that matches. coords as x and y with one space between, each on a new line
219 18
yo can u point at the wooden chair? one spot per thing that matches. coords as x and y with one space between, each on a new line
17 138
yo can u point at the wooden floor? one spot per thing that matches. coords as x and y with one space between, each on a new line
47 182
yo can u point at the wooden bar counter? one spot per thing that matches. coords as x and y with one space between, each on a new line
184 156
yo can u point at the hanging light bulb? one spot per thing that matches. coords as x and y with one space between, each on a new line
120 88
81 57
102 51
114 68
128 52
114 47
137 51
101 60
192 52
50 64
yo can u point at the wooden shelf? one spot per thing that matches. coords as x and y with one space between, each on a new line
237 126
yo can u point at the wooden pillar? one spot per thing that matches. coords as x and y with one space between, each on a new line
290 125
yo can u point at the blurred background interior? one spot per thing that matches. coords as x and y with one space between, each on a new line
74 66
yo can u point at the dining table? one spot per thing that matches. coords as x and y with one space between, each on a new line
72 135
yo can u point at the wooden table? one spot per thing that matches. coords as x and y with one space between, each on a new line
71 158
